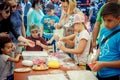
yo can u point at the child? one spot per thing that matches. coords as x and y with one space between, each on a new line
48 22
81 41
40 43
6 48
108 64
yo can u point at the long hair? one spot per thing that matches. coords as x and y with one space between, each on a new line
4 6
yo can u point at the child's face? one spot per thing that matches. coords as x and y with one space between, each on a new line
50 13
34 33
76 27
111 22
7 48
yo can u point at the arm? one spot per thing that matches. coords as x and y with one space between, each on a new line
16 59
79 50
41 44
23 28
95 33
99 65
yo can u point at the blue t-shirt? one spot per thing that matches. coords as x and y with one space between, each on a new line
48 28
109 51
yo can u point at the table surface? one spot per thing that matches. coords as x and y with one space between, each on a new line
24 75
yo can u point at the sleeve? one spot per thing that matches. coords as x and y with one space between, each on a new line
85 35
13 30
43 41
42 20
99 17
57 19
5 57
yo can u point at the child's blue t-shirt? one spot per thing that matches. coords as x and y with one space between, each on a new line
47 27
109 51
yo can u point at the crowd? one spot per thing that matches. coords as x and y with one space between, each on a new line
36 24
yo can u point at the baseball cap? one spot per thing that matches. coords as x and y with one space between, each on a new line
34 27
49 7
76 18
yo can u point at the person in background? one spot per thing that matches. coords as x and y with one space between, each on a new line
48 22
40 42
6 26
25 6
18 24
99 24
35 16
6 48
107 59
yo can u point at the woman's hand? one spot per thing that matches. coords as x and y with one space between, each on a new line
4 34
30 43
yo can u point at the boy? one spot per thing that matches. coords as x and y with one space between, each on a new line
108 64
40 43
48 22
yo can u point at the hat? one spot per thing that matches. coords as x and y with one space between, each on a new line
76 18
34 27
49 7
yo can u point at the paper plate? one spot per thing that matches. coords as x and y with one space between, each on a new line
22 69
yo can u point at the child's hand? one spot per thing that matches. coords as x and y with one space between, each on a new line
56 37
30 43
46 21
98 66
60 46
49 42
38 42
52 22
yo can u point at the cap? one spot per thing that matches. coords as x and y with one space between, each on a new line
49 7
34 27
76 18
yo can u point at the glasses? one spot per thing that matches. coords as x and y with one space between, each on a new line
14 6
7 11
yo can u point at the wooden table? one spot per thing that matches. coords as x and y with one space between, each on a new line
24 75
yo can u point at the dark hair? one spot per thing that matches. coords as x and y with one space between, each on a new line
111 8
3 41
36 2
4 5
65 1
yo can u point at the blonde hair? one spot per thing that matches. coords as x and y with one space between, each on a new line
80 26
72 5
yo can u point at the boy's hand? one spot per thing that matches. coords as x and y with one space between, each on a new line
46 21
49 42
38 42
52 22
98 66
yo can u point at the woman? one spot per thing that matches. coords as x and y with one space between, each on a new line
6 26
35 16
68 10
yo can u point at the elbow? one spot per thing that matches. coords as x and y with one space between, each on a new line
79 51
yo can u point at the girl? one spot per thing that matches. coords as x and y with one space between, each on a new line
6 48
81 41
